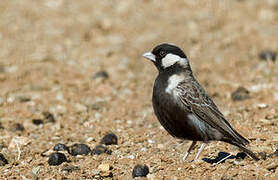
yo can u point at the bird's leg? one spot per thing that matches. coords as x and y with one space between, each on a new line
188 151
200 150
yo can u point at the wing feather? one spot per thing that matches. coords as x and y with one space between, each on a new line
194 97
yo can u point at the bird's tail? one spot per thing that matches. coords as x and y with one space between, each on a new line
242 147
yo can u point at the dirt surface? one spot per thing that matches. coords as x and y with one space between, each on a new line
51 50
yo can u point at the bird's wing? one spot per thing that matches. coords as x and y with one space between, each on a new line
194 97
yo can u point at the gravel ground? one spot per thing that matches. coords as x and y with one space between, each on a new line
72 71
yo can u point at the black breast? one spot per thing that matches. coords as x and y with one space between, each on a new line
170 115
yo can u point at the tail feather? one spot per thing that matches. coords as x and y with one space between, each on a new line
242 147
240 139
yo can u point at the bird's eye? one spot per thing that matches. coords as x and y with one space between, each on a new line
162 53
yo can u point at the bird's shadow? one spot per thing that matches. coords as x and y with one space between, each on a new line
223 156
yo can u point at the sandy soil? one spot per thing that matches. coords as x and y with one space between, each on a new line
50 51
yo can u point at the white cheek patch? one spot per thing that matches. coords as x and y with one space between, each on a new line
173 81
171 59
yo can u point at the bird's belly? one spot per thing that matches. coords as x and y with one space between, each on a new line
182 124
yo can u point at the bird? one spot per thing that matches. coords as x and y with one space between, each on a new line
183 107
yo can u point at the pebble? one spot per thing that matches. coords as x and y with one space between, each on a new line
23 99
109 139
56 159
151 176
267 55
101 74
131 156
262 106
17 127
36 170
80 108
241 155
70 168
37 121
104 167
160 146
140 171
48 116
60 147
263 155
79 149
240 94
99 149
272 167
275 154
3 160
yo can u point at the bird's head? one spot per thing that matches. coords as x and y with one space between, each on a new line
166 55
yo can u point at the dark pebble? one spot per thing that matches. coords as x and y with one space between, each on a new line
17 127
240 94
241 155
275 154
3 160
23 99
60 147
56 159
263 155
48 117
109 139
99 149
79 149
101 74
37 121
267 55
1 126
140 171
70 168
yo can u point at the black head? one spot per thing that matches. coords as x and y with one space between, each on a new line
167 55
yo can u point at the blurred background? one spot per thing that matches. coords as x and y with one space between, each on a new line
81 61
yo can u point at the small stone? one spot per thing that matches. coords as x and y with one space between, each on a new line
101 74
36 170
80 108
152 177
60 147
263 155
272 166
37 121
104 167
109 139
267 55
240 94
262 106
131 156
23 99
241 155
160 146
140 171
274 154
70 168
17 127
79 149
3 160
56 159
48 116
99 149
